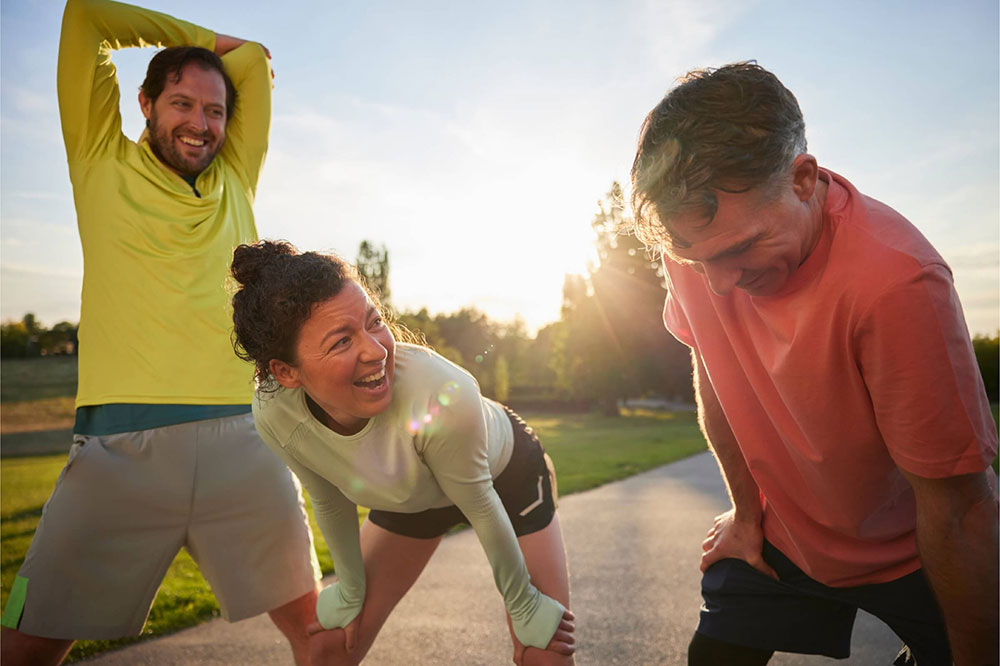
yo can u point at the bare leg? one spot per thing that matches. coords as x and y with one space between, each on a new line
292 619
392 564
545 556
17 649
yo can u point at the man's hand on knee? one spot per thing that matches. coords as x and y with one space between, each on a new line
733 538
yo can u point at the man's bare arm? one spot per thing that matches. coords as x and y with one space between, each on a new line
957 541
738 532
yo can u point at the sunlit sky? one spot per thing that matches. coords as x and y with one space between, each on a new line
474 139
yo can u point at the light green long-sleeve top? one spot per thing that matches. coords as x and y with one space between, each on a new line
439 443
156 255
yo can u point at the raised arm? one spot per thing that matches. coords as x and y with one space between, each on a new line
87 80
247 131
457 456
738 532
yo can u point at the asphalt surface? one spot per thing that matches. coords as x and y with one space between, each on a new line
633 552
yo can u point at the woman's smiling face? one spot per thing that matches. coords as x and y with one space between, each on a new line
344 360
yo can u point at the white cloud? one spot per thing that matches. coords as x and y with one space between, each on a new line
30 101
978 258
679 33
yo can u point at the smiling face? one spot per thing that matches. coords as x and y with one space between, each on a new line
344 360
757 239
187 122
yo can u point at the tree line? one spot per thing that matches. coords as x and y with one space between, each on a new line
29 339
609 343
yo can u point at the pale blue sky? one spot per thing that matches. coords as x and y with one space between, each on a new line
474 139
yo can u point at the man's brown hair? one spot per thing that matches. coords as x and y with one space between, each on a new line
733 129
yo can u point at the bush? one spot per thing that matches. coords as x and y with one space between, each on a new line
988 356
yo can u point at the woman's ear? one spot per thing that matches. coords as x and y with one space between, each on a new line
285 374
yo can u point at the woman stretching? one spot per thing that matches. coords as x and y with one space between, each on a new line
362 419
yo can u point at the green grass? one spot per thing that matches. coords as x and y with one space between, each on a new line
23 380
588 450
592 449
36 403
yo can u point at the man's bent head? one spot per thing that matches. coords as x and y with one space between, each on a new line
731 129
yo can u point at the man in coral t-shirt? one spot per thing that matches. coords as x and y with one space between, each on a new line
836 384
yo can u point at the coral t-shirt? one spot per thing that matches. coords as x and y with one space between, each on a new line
860 365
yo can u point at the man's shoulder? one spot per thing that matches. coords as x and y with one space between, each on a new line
872 233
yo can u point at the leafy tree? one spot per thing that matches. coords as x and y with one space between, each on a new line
501 380
615 345
373 265
426 330
28 338
20 339
536 372
987 350
475 337
469 338
31 325
13 339
60 339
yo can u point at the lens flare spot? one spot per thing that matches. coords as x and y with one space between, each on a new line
444 399
357 484
427 418
479 358
413 426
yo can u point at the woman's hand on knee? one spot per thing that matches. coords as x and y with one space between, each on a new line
561 646
334 646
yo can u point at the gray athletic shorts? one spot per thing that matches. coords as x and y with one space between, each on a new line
125 504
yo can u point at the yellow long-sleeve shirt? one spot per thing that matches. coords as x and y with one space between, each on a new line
155 319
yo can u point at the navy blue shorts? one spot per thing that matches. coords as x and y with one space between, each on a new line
798 614
524 487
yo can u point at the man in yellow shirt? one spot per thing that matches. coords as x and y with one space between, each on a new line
165 454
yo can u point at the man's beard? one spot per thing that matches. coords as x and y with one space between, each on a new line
165 148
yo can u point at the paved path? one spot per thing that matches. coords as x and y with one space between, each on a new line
633 549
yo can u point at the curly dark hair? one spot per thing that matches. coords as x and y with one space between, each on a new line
732 129
278 288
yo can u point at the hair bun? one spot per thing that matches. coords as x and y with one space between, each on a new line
251 261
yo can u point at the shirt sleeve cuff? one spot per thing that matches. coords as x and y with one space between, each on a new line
537 630
333 610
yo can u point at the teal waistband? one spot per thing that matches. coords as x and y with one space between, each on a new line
128 417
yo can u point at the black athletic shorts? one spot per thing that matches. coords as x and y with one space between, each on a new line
799 614
525 488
